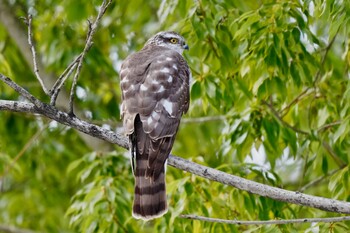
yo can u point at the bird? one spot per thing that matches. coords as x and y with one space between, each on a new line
155 94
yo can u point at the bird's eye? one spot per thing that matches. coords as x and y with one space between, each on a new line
173 40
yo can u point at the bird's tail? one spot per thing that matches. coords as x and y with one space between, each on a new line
150 193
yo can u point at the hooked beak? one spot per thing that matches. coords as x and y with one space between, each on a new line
185 46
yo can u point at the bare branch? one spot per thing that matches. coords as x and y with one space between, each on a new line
21 91
64 118
88 44
18 106
32 48
16 31
55 90
183 164
75 81
260 189
267 222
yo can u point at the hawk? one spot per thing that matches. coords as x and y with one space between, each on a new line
155 94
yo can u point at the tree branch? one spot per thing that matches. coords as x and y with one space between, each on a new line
88 44
267 222
180 163
66 119
260 189
16 31
56 88
28 21
327 126
21 91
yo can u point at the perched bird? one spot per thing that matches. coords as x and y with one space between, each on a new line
155 94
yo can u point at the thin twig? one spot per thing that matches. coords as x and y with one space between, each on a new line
285 110
56 88
24 149
327 126
260 189
183 164
266 222
74 84
318 180
32 48
88 44
335 157
317 76
275 113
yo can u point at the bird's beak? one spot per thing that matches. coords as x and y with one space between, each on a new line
185 47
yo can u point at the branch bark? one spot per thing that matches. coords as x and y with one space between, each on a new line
266 222
180 163
32 48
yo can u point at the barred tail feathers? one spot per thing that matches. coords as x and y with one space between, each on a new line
150 193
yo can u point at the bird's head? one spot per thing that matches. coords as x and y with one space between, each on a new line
169 39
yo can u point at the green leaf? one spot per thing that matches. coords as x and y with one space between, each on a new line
196 91
73 165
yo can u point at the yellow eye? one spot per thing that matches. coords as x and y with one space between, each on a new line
173 40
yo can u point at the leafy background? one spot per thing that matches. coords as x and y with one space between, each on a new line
270 78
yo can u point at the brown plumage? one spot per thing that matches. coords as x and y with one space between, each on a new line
155 94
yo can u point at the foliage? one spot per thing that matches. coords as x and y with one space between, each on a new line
276 71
